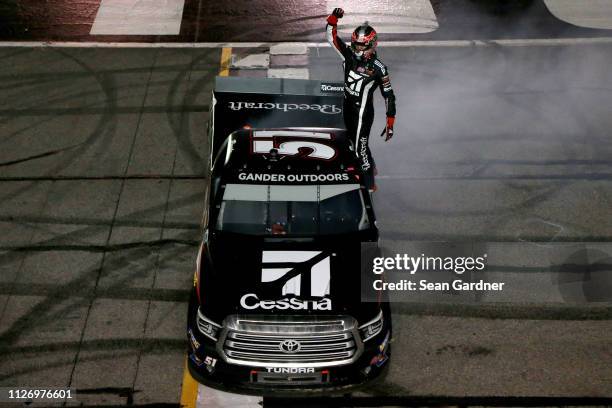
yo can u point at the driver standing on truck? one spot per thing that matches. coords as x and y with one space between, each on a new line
363 73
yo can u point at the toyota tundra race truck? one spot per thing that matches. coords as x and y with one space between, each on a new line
276 302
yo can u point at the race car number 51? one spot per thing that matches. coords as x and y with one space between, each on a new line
264 141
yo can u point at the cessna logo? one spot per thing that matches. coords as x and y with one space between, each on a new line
331 88
354 82
290 370
301 276
285 107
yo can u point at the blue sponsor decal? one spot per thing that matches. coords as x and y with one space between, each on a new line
198 361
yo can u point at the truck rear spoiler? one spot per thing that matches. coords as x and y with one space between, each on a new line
272 103
278 86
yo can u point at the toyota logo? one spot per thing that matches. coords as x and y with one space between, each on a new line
289 346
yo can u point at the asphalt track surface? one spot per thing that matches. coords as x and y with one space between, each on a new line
102 179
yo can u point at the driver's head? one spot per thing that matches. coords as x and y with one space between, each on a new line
363 42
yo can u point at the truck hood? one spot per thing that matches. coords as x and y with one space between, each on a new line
280 276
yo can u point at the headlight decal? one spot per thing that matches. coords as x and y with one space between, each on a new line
207 327
371 328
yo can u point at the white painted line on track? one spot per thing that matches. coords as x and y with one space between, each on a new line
292 73
213 398
583 13
289 49
544 42
252 61
387 16
138 17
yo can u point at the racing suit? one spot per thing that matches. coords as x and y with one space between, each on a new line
361 78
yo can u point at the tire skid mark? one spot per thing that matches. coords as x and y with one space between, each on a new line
40 314
104 128
91 230
54 76
100 110
389 234
157 262
447 212
98 272
36 156
32 220
105 178
157 346
163 346
100 248
576 176
180 126
127 293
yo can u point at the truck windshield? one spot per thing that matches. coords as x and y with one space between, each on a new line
257 209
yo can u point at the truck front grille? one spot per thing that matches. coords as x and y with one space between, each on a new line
315 343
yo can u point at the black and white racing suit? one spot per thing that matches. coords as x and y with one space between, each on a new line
361 78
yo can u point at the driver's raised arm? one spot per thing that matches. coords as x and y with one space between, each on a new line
332 33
